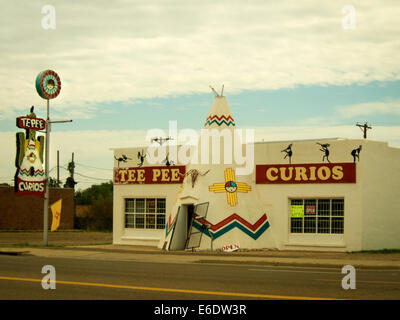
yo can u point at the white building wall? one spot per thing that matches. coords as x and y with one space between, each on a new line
277 196
122 235
146 237
381 197
372 204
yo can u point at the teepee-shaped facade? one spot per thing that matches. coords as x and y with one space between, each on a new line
216 207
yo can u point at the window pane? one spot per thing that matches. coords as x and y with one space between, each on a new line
160 221
129 221
139 221
296 225
296 202
337 207
150 205
323 225
309 225
310 207
150 221
324 207
161 205
337 225
129 205
139 205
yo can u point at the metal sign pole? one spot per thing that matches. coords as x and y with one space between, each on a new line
46 170
48 86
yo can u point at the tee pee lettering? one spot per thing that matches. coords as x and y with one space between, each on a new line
149 175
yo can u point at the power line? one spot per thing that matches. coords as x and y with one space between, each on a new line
84 165
92 177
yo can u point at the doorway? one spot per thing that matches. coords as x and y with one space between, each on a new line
182 227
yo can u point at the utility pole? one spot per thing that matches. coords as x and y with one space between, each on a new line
58 168
364 127
70 182
72 166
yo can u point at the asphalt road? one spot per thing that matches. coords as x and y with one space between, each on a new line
20 278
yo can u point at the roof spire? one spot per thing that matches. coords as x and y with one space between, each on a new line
215 92
220 116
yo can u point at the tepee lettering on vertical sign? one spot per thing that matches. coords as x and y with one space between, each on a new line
30 176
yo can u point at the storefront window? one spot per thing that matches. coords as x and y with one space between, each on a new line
142 213
325 216
139 205
160 221
150 205
160 205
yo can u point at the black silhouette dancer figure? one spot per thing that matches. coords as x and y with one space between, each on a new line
288 152
160 140
141 157
167 161
356 153
123 158
325 151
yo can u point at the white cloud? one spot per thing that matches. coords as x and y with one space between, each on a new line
378 107
122 50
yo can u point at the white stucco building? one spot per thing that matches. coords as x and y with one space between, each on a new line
301 195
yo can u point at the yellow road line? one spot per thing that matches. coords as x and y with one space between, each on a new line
233 294
365 281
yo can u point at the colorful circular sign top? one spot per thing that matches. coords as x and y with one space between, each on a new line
48 84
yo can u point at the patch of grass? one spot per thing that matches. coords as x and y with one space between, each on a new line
382 251
50 245
57 231
90 244
28 245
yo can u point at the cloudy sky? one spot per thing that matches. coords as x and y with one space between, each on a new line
291 70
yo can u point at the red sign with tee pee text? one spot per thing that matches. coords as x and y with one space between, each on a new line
149 175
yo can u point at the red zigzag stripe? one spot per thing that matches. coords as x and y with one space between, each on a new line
220 118
27 171
232 217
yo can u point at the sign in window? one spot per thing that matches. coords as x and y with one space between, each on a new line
317 216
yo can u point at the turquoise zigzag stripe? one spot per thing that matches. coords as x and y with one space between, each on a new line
229 227
220 123
168 230
28 175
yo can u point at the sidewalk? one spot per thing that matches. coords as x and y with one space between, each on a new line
97 245
250 257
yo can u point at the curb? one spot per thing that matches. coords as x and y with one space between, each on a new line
333 265
15 253
224 258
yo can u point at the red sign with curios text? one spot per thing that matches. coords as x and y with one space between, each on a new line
306 173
